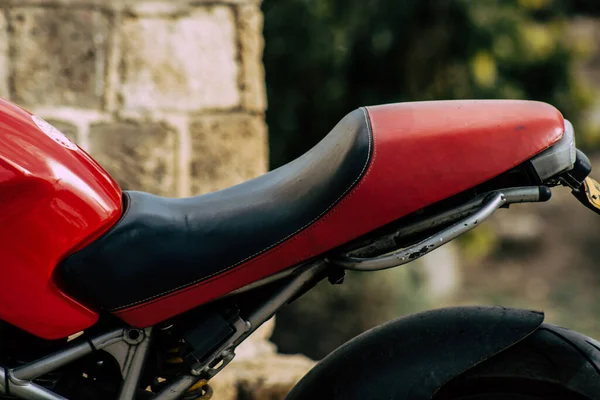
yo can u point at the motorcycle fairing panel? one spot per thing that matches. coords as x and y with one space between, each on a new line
166 256
54 199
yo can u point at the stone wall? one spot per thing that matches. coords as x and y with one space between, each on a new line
169 96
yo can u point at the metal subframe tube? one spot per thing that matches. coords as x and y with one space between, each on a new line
56 360
18 381
262 314
490 204
31 391
51 362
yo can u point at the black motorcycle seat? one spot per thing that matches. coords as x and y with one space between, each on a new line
161 245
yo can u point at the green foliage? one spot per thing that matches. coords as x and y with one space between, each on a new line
324 58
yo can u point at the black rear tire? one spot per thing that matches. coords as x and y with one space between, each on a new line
552 363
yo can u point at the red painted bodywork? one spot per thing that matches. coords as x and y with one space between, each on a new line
422 153
54 198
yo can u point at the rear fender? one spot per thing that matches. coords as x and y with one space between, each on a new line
424 351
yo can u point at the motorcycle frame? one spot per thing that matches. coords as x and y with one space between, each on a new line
130 346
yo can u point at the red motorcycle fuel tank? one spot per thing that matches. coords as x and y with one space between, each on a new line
54 199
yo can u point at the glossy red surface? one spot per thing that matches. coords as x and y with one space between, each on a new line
423 153
54 198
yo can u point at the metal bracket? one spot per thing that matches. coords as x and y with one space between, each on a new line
130 352
241 327
124 350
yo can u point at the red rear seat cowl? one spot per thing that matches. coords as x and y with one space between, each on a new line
421 153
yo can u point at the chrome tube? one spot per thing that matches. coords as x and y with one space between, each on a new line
489 205
56 360
51 362
31 391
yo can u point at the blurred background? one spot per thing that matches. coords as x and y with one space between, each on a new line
324 58
170 97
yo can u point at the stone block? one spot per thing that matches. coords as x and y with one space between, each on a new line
184 63
4 63
128 5
250 25
140 156
58 56
227 150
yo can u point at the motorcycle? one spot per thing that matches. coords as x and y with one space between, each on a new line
117 294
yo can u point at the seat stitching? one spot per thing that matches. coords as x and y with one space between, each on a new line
232 270
336 202
207 281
